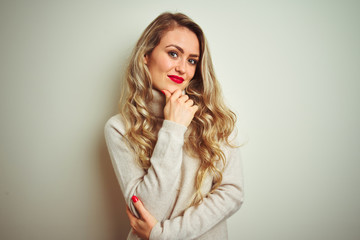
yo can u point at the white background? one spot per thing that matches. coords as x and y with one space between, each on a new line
289 69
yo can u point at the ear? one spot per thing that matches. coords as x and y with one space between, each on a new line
146 59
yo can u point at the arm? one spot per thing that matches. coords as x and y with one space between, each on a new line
157 187
219 205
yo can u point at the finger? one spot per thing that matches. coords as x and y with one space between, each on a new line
130 215
128 211
176 94
189 103
140 207
183 98
132 219
195 108
167 94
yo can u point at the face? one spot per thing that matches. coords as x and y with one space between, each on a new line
172 63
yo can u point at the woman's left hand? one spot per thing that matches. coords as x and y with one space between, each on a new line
141 226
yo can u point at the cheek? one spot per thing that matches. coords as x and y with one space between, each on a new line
192 72
164 64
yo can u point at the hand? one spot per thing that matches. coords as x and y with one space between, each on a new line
141 226
179 108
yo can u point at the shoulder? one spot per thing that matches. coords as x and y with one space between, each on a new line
115 125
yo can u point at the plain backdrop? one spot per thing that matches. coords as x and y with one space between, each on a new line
289 69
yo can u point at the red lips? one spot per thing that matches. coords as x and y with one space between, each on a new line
176 79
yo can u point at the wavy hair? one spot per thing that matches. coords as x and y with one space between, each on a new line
213 122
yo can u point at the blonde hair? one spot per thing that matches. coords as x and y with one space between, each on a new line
213 122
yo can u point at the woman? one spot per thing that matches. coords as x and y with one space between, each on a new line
173 144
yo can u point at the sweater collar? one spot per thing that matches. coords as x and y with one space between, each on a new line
157 104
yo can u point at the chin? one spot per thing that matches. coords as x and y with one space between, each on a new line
171 89
182 90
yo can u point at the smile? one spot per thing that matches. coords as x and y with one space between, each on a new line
176 79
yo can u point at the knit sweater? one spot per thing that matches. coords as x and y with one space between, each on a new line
167 188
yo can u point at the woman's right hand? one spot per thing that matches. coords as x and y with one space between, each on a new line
179 108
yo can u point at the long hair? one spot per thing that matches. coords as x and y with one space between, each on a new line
213 122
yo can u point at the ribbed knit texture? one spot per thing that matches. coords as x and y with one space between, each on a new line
167 188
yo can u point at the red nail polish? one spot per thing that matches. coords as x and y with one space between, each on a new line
163 92
134 199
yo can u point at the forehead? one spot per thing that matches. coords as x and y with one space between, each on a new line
182 37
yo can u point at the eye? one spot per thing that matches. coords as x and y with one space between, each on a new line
192 61
173 54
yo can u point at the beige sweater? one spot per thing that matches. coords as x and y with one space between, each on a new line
167 188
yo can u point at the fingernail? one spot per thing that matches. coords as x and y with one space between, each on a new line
163 92
134 199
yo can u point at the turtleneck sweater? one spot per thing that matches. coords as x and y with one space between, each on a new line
167 188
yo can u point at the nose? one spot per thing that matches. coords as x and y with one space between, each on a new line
181 66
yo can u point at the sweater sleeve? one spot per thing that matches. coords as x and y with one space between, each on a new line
156 188
216 207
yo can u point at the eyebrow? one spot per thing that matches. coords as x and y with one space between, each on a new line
182 50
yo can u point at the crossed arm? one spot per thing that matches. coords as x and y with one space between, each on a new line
157 187
195 221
